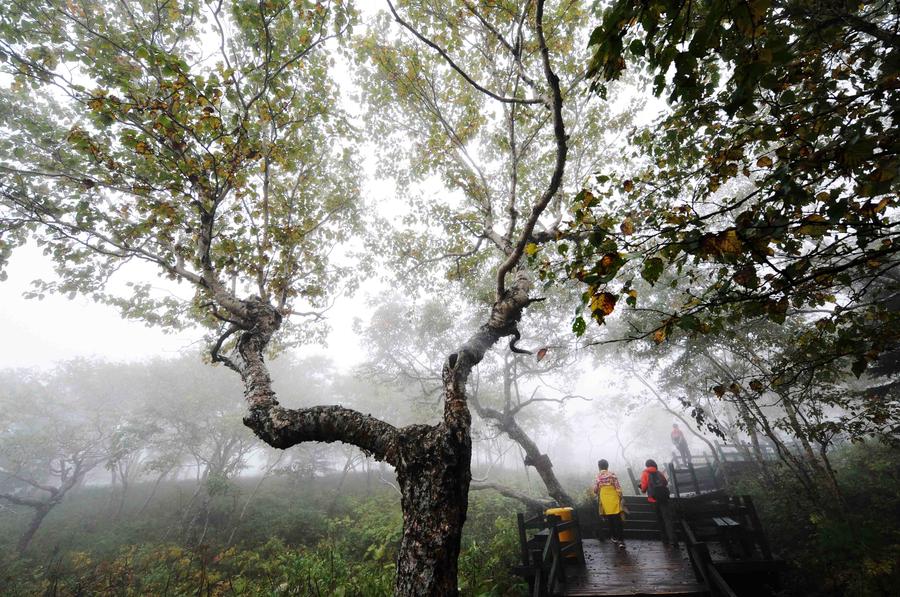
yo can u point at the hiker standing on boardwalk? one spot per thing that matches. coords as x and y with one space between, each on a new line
609 493
681 443
656 486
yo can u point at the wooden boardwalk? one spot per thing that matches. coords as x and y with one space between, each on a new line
647 567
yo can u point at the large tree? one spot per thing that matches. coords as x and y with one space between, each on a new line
491 143
204 139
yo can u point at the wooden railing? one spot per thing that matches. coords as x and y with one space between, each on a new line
688 478
703 566
544 556
747 535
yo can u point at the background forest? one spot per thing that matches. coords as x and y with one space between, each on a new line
532 235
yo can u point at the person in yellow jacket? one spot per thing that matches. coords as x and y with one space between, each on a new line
609 492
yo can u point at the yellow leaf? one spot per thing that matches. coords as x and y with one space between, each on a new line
813 225
531 249
764 162
727 242
605 302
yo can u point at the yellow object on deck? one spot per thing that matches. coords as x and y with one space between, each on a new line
565 537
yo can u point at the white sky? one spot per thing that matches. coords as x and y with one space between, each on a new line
38 334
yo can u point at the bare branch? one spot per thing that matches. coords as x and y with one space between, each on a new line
562 149
454 66
531 502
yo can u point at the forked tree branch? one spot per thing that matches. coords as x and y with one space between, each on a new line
456 67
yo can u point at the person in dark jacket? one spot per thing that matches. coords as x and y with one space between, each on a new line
656 486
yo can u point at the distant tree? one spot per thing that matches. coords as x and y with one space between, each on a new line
403 337
51 436
128 452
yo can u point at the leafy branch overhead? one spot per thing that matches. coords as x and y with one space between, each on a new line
178 135
768 190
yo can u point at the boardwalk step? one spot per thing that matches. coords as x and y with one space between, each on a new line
649 534
645 568
641 515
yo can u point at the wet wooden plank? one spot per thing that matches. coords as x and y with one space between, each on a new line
646 567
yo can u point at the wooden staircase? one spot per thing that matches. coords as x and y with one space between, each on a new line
640 519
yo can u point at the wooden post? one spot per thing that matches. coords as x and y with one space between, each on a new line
634 482
704 562
694 477
757 527
689 542
673 479
577 529
523 538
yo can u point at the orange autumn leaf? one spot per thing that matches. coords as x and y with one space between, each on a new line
605 302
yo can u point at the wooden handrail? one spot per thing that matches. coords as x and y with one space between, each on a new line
701 561
722 588
546 566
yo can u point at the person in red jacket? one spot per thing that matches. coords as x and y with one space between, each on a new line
656 486
681 443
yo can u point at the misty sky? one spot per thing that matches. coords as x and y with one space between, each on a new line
41 333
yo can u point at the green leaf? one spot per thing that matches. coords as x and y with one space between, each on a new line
652 269
689 323
579 326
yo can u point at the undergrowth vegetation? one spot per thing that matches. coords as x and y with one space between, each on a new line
832 549
292 540
316 539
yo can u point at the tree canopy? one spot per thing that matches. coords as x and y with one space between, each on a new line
768 191
202 138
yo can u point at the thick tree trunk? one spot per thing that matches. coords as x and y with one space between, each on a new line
40 513
434 475
433 462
